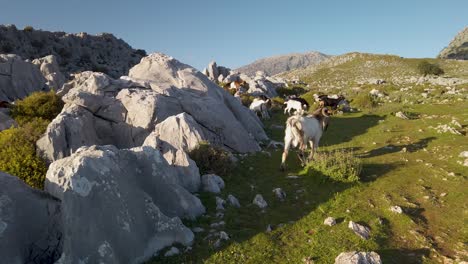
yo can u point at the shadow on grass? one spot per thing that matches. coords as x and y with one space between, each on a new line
421 144
341 130
260 174
403 256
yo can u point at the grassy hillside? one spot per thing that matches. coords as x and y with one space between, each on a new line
352 69
413 163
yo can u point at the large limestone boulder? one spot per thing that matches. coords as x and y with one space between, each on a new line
29 223
119 206
100 110
19 78
50 70
174 137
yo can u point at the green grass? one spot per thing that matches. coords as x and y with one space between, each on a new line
430 228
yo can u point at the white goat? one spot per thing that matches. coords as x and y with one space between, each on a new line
293 105
303 130
260 106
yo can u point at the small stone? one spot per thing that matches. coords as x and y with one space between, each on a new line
292 177
329 221
404 150
223 235
172 252
219 215
360 230
443 194
259 201
268 229
280 194
401 115
396 209
220 203
463 154
198 229
216 225
426 197
232 200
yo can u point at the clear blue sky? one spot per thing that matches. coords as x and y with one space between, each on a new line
235 33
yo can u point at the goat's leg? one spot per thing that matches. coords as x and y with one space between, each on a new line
312 150
287 144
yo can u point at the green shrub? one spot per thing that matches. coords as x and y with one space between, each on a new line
28 29
211 159
284 91
277 103
340 165
427 68
246 99
365 100
18 152
44 105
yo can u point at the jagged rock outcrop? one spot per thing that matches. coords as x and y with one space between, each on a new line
51 71
29 223
19 78
100 110
458 47
119 206
278 64
175 137
74 52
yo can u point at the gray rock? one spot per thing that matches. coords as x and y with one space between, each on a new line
51 71
280 194
197 229
463 154
360 230
212 183
220 203
213 72
133 203
172 252
355 257
401 115
74 52
232 200
6 121
124 112
396 209
259 201
175 137
29 223
329 221
19 78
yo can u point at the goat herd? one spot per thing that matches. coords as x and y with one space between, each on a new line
302 129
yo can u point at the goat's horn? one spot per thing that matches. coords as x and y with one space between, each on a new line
325 111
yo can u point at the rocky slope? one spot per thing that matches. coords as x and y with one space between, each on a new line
458 47
282 63
74 52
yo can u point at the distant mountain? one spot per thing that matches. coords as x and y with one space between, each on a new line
74 52
458 47
278 64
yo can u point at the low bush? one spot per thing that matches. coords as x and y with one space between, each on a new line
427 68
340 165
365 100
44 105
285 91
211 159
246 99
18 152
28 29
